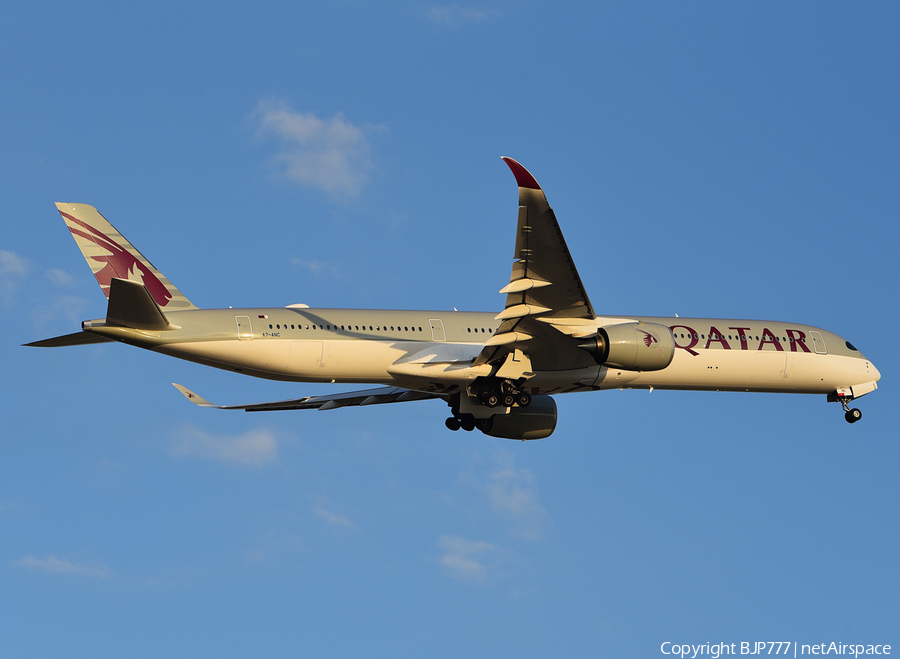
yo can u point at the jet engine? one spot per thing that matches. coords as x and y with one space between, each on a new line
536 421
632 346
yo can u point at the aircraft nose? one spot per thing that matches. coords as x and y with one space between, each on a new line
874 371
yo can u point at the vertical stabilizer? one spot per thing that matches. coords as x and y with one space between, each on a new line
111 256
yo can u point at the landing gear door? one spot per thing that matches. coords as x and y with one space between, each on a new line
244 329
437 329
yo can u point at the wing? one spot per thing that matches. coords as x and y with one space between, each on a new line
346 399
544 292
544 279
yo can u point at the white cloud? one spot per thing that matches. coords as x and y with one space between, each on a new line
10 507
463 558
332 518
512 493
456 16
253 449
70 306
12 268
317 268
12 263
59 277
61 566
329 154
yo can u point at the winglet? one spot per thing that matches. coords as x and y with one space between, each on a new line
191 396
523 176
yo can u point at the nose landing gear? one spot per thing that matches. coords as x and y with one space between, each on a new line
853 415
844 396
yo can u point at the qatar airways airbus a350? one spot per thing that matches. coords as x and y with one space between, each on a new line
496 371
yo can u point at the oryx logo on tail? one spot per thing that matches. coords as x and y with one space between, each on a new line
110 256
118 262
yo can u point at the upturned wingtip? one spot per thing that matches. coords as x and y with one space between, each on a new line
523 177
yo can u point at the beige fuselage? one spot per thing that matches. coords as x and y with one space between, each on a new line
435 350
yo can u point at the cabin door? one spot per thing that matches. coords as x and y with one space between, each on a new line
244 329
437 329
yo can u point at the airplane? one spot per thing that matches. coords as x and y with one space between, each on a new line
497 372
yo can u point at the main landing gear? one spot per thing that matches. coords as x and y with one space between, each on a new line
468 423
490 392
505 393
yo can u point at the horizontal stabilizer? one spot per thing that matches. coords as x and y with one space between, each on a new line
346 399
76 339
130 305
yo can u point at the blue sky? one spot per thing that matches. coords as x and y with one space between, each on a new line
703 159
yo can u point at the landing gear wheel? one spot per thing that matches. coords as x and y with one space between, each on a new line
468 423
490 399
523 399
853 415
508 400
452 423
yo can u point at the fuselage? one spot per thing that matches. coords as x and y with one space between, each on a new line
434 350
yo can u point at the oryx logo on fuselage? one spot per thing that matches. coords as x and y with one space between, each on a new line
119 263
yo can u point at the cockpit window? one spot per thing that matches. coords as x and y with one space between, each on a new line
850 345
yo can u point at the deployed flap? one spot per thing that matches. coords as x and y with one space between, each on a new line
346 399
76 339
130 305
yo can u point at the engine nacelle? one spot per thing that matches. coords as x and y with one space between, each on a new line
632 346
536 421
